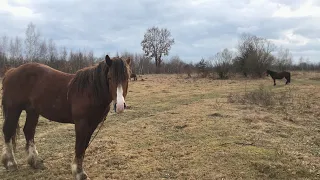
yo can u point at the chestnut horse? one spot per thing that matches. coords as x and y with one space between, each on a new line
279 75
82 99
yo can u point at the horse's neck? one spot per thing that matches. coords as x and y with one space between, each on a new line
272 73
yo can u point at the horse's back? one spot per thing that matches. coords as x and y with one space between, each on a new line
285 73
25 76
30 79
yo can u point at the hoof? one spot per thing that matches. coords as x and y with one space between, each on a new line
82 176
9 164
36 163
12 166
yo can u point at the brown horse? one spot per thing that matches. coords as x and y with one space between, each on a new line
134 76
82 99
279 75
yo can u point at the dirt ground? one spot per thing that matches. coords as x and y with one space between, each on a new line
179 128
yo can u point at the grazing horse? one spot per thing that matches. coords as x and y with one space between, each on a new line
134 76
279 75
82 99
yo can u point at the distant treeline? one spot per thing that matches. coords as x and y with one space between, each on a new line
253 56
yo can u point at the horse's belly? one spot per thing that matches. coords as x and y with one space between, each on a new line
54 110
57 116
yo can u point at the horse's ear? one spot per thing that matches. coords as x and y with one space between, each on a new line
108 60
128 61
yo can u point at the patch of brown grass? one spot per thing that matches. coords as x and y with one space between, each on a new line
178 128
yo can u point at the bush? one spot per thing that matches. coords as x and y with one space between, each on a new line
262 96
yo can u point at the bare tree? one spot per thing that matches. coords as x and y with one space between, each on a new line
90 57
52 50
4 44
304 63
222 63
19 48
187 68
12 50
117 54
144 64
16 51
284 59
134 63
63 54
175 65
156 44
254 55
43 51
32 42
3 52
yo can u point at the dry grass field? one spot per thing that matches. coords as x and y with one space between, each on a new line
178 128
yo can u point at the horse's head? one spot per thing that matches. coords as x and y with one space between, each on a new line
118 76
267 72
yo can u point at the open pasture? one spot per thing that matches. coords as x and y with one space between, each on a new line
178 128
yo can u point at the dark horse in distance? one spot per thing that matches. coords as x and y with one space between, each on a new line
279 75
82 99
134 76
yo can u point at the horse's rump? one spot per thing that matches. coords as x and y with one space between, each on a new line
6 72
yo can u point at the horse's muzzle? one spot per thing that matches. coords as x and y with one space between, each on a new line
115 107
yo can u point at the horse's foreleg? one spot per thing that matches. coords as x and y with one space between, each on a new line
84 132
274 82
29 130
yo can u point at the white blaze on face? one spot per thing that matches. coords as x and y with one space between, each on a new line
120 100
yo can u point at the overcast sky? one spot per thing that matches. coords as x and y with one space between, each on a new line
200 27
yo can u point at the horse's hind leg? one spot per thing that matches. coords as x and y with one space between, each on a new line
14 138
274 82
29 131
9 130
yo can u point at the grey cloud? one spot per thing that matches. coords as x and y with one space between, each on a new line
199 30
272 27
307 31
292 4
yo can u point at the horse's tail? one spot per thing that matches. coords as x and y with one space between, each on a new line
14 137
3 109
2 102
